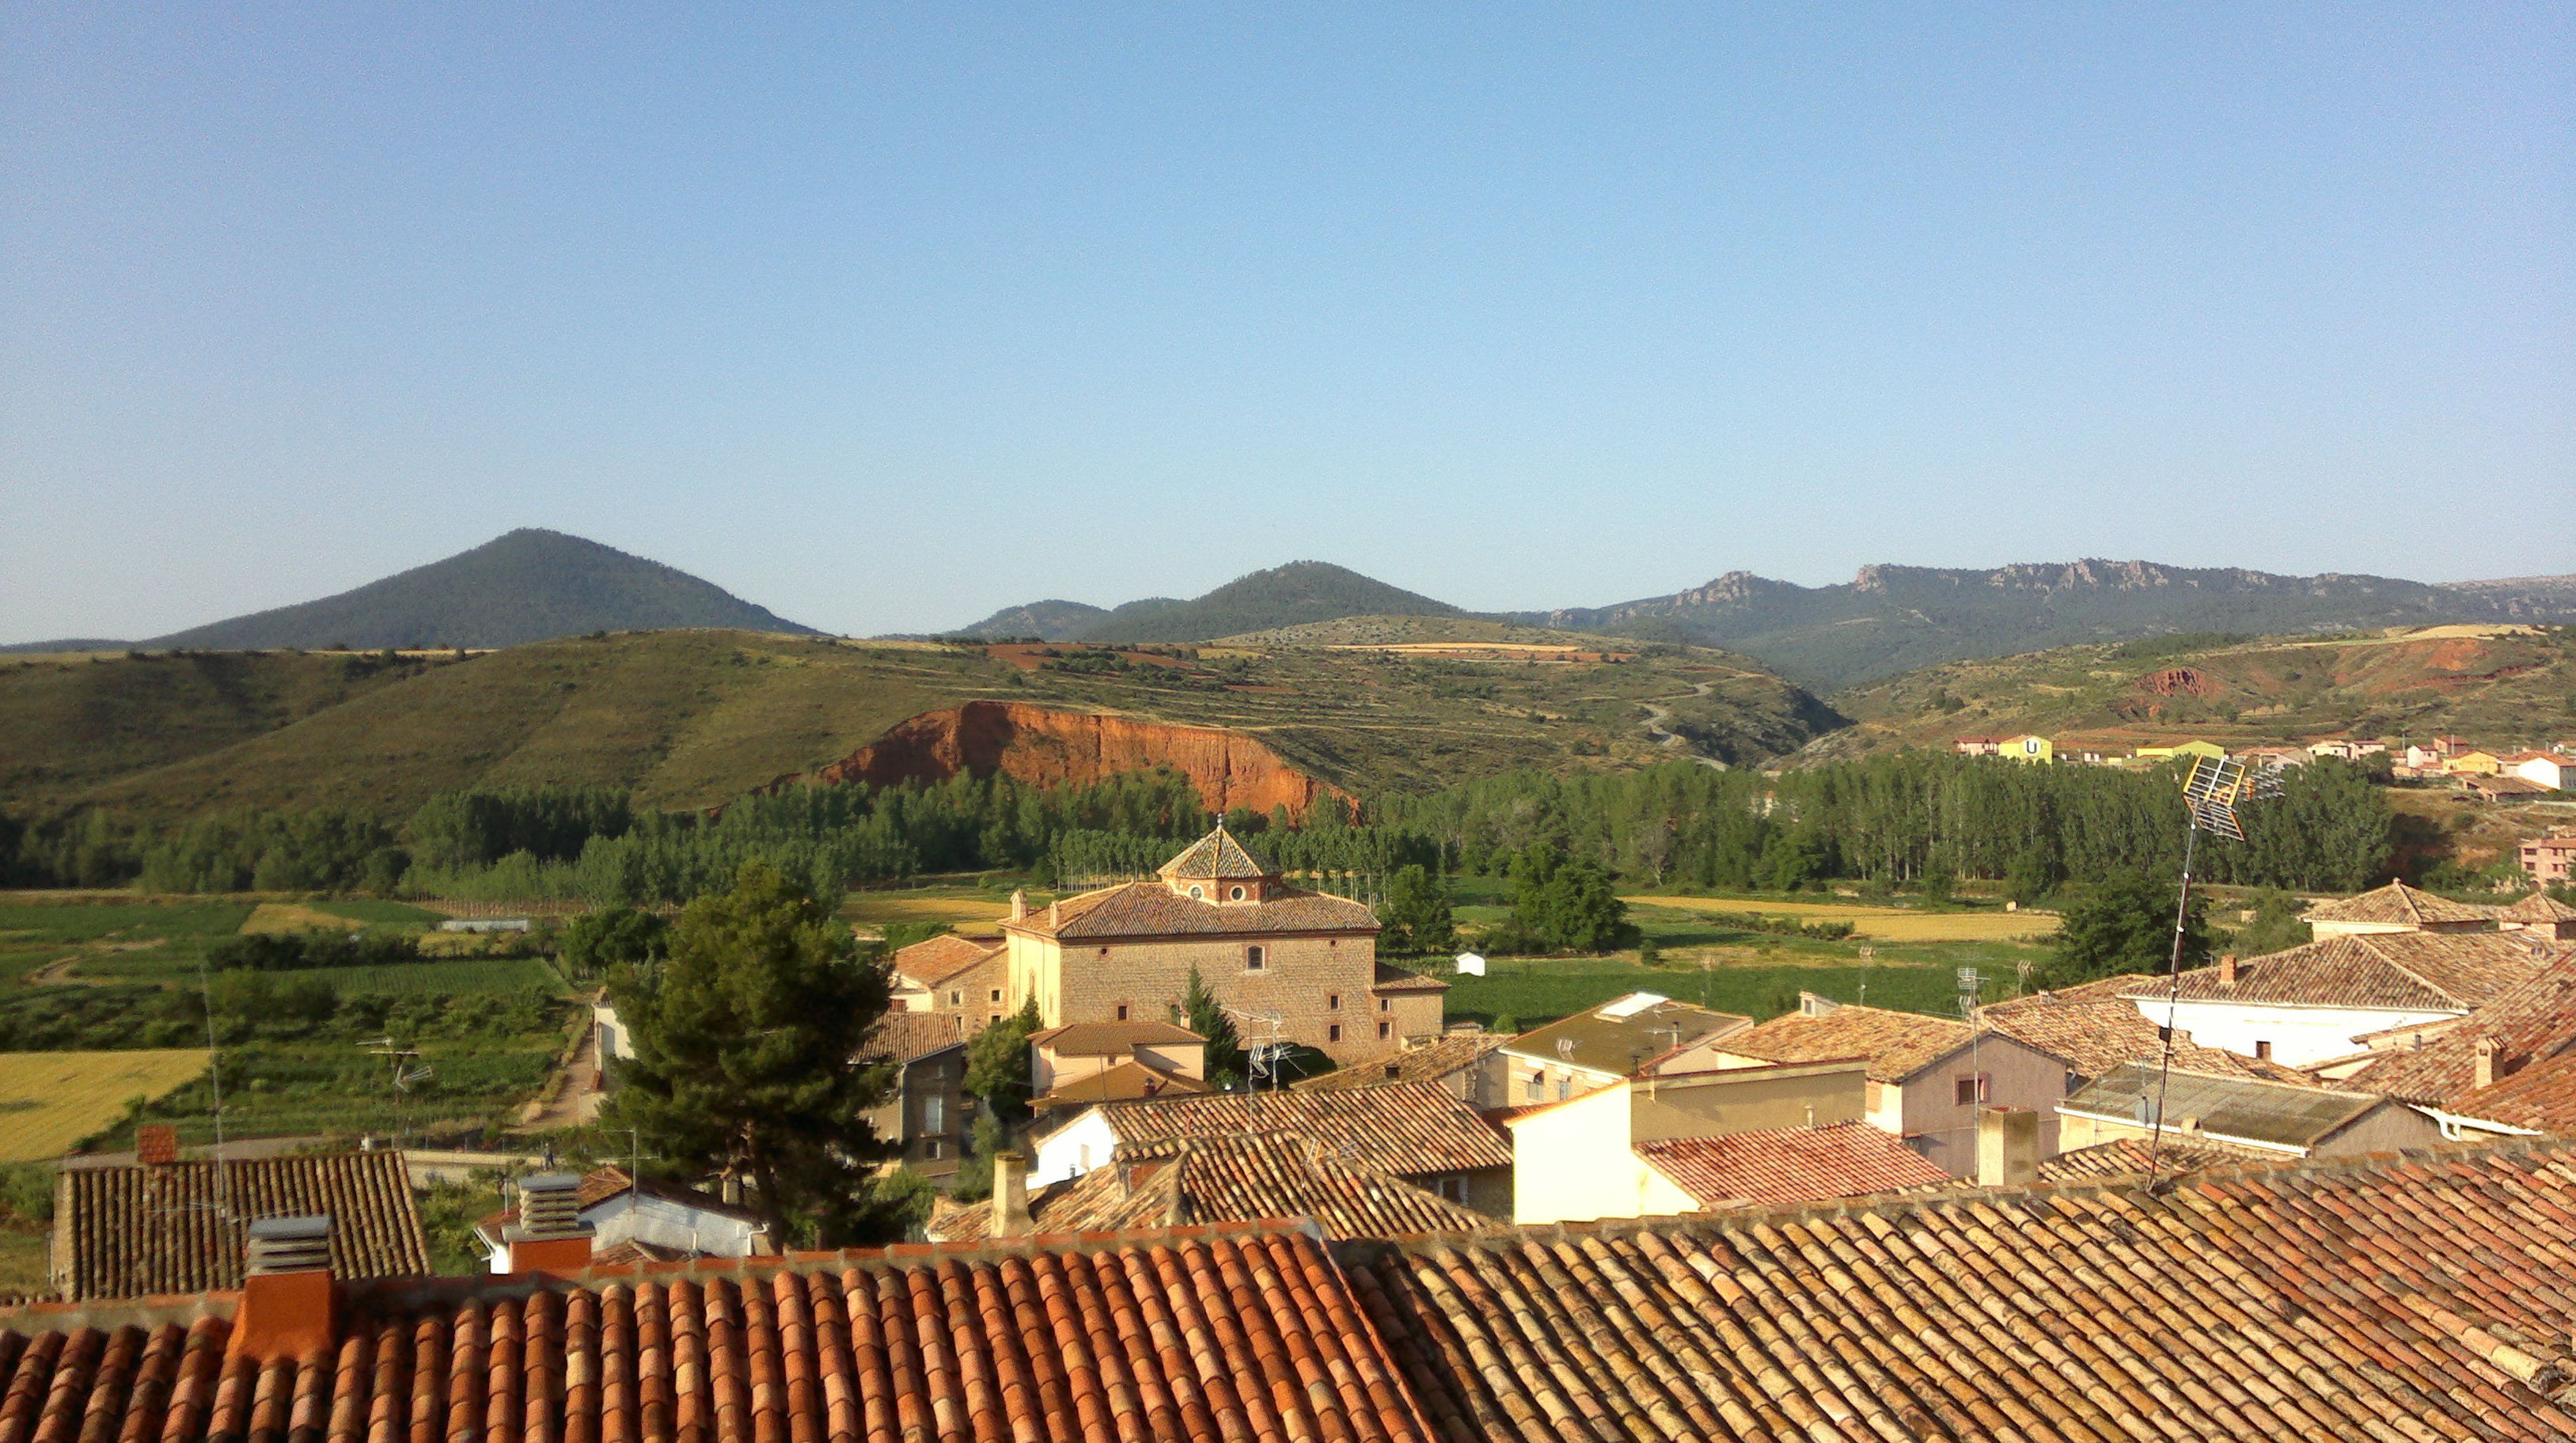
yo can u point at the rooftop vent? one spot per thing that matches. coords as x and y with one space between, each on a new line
290 1245
550 1205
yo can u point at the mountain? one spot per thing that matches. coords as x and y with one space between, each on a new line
1891 619
2502 685
1045 620
529 585
1290 595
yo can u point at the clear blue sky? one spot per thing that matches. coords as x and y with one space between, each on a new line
887 318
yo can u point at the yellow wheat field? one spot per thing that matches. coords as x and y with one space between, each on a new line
1878 924
50 1100
883 907
294 917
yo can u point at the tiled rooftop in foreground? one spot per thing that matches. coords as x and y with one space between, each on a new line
2397 1297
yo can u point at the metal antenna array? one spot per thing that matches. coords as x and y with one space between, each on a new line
1261 1054
408 1072
215 1081
2211 792
1971 983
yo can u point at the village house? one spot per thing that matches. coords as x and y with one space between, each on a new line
1467 1062
929 1113
1928 1077
1977 746
2244 1114
2453 1069
2312 1004
1267 950
2095 1029
1412 1130
2549 861
1615 1040
168 1226
1579 1159
1978 1315
2539 916
2497 787
1074 1066
2393 908
2345 749
956 975
2027 749
1196 1180
2192 748
2547 770
622 1220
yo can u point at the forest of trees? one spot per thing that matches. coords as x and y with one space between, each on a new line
1902 819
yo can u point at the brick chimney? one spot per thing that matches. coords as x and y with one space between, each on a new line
2226 969
550 1236
2486 1064
289 1308
2007 1146
1010 1194
157 1145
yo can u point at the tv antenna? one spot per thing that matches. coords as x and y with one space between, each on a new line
408 1073
2211 792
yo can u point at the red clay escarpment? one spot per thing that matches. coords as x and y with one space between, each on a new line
1055 748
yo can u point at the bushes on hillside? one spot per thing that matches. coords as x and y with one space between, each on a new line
302 951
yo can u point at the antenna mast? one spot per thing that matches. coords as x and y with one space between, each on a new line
2210 792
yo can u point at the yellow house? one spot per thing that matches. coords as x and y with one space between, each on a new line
2479 764
1579 1159
2193 748
2027 749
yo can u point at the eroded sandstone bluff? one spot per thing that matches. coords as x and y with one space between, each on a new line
1049 748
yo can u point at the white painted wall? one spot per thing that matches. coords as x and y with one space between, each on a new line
669 1224
1073 1149
1575 1162
614 1041
2299 1035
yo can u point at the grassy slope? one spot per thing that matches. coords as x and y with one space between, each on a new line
2497 688
695 718
1301 591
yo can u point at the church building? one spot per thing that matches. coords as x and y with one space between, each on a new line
1264 947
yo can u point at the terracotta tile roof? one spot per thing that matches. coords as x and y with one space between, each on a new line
1621 1035
2538 907
2395 904
1895 1044
936 960
1396 979
2533 1022
1216 857
2404 1297
1231 1332
1406 1129
2229 1109
2096 1035
1150 909
1789 1165
2127 1157
636 1250
1430 1063
2540 1096
1231 1179
1125 1082
1109 1039
901 1036
123 1232
2409 971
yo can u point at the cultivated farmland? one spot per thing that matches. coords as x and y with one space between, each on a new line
1887 924
50 1100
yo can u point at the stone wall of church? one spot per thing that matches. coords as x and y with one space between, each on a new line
1319 985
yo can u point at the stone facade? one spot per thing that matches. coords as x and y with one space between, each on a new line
1125 954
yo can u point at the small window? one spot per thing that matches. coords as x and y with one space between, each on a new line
958 998
2074 1082
932 1150
1386 1004
1333 1033
1968 1090
934 1114
1394 1071
1565 1087
1254 959
1332 1002
1104 951
1236 895
1384 1029
1537 1086
997 994
1122 1011
1197 896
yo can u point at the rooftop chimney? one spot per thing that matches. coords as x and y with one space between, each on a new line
157 1145
2007 1146
2226 969
1011 1194
288 1308
550 1236
1019 906
1055 913
2486 1064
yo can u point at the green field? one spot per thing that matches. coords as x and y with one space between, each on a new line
463 976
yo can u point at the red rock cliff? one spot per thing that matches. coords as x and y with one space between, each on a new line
1051 748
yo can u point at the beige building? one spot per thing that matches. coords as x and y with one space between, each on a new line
1265 948
1642 1031
1580 1158
954 976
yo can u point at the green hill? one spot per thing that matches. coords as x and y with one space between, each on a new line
2497 685
1046 620
1290 595
526 586
697 718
